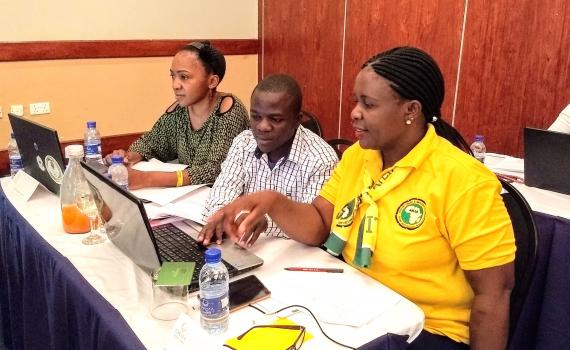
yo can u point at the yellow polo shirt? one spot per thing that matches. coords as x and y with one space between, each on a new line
446 216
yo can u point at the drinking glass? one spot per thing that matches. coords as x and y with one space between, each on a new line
86 203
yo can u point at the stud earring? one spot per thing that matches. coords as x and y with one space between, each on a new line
409 122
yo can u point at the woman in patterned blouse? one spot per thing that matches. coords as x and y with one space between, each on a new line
197 129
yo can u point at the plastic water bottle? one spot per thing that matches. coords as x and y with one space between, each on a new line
14 155
119 173
478 148
74 220
92 143
214 297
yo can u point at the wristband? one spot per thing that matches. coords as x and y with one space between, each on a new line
179 178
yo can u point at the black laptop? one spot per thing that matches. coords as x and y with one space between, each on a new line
129 229
547 160
40 150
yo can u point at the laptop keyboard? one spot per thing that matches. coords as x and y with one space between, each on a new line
175 245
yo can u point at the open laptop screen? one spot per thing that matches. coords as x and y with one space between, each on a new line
547 160
40 150
127 225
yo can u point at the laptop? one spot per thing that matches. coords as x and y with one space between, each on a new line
40 150
129 229
547 160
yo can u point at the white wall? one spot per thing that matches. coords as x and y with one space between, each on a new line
40 20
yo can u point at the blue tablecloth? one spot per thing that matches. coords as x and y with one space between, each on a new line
45 303
545 318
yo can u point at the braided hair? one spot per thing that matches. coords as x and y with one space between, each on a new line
414 75
212 59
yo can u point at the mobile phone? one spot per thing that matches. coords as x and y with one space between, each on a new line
245 291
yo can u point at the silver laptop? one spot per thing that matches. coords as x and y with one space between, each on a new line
547 160
40 150
129 229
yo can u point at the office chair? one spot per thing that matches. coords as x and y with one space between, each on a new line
310 121
339 145
526 240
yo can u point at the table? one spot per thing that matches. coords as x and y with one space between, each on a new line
56 291
544 322
44 301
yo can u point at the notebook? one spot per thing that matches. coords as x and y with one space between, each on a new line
129 229
547 160
40 150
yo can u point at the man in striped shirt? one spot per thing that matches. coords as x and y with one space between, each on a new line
276 154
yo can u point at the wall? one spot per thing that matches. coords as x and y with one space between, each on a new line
125 93
505 63
38 20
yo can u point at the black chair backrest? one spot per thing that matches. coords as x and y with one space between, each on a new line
309 121
526 239
339 145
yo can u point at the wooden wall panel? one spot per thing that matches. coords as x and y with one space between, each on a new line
374 26
515 70
303 38
59 50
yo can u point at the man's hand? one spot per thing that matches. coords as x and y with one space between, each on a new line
242 220
257 227
214 228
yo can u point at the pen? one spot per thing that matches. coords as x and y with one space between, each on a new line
315 269
510 178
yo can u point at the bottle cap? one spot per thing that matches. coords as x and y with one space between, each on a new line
91 124
479 138
117 159
74 151
213 255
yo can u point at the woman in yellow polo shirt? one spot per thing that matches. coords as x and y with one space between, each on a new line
408 206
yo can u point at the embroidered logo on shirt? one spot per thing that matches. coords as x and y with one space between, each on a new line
411 213
345 216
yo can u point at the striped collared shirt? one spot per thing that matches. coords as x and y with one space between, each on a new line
299 175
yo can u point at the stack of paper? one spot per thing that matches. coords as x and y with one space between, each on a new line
185 201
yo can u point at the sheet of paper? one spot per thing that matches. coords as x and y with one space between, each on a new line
156 165
188 211
165 195
184 334
24 184
367 296
510 164
189 206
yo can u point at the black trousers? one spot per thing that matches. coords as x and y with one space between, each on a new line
430 341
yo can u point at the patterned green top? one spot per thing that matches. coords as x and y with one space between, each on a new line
203 149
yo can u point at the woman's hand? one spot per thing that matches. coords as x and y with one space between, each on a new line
129 158
138 179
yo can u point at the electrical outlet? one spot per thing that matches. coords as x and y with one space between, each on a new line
39 108
17 110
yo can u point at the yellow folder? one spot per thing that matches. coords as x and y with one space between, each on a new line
269 338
